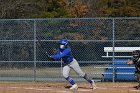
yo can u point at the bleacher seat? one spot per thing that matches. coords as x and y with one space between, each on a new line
122 71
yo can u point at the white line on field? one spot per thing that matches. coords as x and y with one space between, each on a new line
44 88
34 88
84 89
101 88
118 86
29 88
134 90
107 87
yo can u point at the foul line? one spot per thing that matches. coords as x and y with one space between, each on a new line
79 89
35 88
44 88
134 90
29 88
101 87
120 86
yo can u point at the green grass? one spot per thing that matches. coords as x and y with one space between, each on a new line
48 72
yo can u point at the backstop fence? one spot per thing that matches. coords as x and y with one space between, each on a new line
102 47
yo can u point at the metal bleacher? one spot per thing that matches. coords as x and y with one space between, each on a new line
122 71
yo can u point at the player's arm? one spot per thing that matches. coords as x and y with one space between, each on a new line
52 58
60 55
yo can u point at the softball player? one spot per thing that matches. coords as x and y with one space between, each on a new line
64 53
136 61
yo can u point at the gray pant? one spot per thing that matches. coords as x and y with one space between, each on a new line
75 66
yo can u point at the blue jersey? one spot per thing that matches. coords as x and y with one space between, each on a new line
65 54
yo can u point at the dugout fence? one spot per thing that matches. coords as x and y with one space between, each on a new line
22 59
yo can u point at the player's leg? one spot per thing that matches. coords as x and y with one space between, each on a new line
66 70
78 70
138 80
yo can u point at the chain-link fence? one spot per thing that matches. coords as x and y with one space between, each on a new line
102 47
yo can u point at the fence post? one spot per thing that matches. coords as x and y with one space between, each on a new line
34 50
113 45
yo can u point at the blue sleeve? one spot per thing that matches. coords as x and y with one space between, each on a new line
61 54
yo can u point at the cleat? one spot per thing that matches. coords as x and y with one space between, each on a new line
93 85
138 87
74 86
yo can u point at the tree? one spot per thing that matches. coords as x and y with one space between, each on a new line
57 8
33 8
78 9
119 8
41 9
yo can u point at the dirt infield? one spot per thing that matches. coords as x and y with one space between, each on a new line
49 87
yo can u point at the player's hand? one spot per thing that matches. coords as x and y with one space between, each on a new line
129 62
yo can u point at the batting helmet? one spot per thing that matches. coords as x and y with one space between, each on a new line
63 42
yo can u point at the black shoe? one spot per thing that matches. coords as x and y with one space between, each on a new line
135 86
138 87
